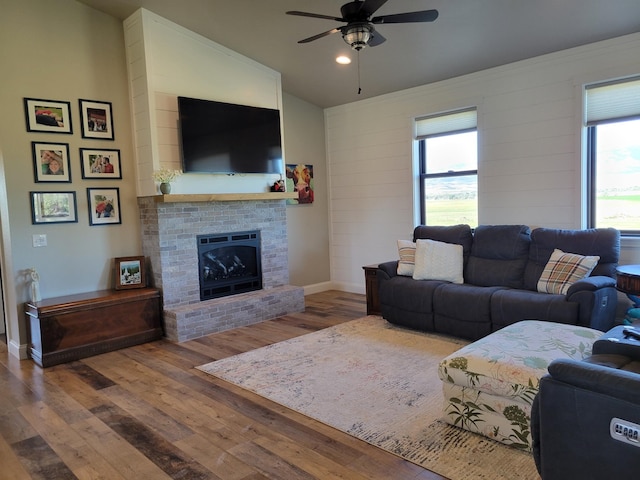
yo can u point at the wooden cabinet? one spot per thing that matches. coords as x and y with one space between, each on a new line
71 327
371 289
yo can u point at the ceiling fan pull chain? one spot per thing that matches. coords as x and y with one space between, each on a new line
358 55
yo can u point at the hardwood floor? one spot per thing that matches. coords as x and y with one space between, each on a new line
145 412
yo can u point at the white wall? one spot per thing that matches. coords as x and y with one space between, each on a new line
166 61
530 152
60 50
307 223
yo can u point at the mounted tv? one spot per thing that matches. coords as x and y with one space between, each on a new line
227 138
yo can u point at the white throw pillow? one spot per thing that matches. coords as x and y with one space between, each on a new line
407 253
438 261
563 270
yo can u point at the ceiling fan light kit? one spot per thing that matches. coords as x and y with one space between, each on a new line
359 31
357 36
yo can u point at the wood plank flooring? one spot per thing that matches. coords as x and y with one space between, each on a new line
145 412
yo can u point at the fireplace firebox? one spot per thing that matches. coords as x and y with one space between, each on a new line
229 263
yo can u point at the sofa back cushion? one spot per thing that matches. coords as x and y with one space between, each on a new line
498 256
457 234
603 242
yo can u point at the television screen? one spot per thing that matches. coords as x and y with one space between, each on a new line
222 137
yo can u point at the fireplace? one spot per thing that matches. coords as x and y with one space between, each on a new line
170 230
229 263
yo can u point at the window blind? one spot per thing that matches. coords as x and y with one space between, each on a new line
446 122
615 100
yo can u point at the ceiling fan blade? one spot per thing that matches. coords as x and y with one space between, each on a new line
315 15
320 35
409 17
371 6
376 39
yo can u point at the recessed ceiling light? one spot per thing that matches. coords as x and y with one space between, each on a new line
343 60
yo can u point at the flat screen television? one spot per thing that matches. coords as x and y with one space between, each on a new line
219 137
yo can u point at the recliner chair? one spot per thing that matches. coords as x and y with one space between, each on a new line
585 419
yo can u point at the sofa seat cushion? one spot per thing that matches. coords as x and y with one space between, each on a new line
408 302
510 306
463 310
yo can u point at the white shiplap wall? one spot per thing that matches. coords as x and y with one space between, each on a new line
530 151
165 61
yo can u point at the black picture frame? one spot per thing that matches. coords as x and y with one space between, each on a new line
53 207
100 163
51 116
96 119
45 156
104 206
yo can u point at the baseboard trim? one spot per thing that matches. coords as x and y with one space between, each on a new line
318 288
19 351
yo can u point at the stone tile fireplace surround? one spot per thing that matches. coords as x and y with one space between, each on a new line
169 230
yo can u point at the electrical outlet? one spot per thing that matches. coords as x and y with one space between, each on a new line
40 240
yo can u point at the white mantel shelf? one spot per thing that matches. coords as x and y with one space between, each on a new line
223 197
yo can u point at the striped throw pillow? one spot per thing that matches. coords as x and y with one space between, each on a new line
563 270
407 252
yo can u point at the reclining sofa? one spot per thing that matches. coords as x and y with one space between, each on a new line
585 419
502 268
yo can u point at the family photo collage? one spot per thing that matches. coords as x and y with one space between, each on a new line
52 162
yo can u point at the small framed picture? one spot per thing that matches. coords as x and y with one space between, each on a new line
130 273
104 206
100 163
51 162
96 119
53 207
53 116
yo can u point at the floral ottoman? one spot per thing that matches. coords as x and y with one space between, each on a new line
490 384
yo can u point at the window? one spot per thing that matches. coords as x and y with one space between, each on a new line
613 155
448 168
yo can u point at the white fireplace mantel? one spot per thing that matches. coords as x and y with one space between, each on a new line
223 197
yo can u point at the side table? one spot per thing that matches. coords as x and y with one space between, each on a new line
371 289
628 282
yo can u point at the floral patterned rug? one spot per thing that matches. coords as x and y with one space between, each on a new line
379 383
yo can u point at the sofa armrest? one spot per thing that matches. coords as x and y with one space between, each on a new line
620 384
591 284
390 269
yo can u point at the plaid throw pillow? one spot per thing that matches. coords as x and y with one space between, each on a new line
563 270
407 253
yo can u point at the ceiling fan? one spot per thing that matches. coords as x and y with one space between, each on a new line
359 30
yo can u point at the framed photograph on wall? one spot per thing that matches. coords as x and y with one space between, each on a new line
96 119
53 116
100 163
53 207
104 206
130 273
51 162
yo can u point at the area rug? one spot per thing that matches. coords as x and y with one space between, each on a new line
379 383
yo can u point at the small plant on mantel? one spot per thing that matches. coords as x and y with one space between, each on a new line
165 176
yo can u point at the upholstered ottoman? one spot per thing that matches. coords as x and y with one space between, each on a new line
490 384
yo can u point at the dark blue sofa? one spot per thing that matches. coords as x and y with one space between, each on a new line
502 265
